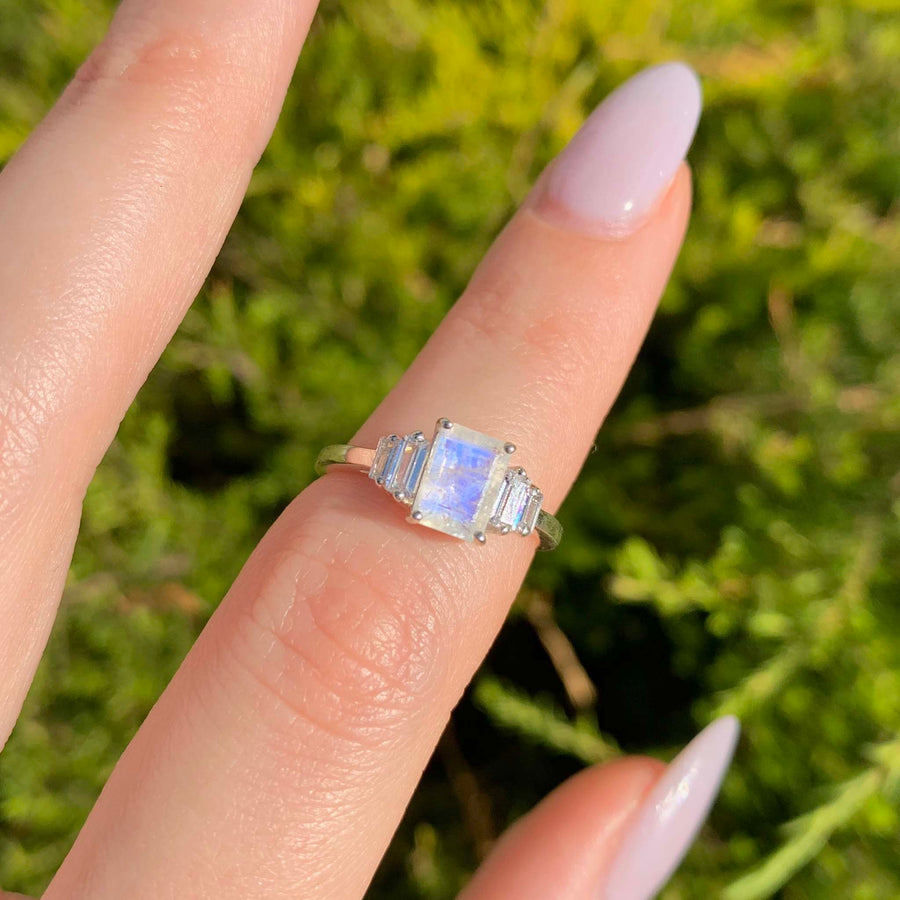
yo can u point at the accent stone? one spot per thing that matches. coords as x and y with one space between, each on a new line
386 458
513 499
398 463
532 510
413 454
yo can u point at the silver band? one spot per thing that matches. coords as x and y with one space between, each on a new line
529 517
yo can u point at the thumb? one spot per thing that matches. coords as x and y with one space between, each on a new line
613 832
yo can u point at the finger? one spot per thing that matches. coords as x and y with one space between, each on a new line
562 848
110 217
287 746
611 833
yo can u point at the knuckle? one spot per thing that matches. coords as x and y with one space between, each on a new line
544 336
347 635
174 58
181 79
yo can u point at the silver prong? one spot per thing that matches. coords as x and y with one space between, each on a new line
418 436
505 529
418 515
445 423
379 481
525 531
479 536
400 495
509 447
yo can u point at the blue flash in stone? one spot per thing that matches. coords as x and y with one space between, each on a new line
460 471
461 481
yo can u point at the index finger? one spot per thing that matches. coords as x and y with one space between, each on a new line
110 217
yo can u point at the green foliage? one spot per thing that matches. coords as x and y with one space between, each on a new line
734 542
808 834
542 722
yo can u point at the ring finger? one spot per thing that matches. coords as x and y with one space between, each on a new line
280 759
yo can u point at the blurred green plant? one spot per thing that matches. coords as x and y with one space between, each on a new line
734 542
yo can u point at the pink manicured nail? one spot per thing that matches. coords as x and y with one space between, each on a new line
623 158
667 822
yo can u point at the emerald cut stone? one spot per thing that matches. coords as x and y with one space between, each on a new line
460 482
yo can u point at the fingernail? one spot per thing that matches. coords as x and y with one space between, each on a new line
665 825
619 164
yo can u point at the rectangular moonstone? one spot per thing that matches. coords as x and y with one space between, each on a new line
461 482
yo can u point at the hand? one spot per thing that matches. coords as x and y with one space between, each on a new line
281 757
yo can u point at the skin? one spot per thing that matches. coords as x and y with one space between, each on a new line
281 757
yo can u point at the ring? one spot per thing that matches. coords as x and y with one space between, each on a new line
459 482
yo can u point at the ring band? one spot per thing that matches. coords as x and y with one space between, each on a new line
459 482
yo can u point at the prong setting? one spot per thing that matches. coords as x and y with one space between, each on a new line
458 482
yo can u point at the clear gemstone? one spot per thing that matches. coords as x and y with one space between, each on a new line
386 458
513 500
461 482
532 509
413 454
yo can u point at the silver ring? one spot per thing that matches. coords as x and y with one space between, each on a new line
459 482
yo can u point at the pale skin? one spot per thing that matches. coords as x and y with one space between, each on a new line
281 757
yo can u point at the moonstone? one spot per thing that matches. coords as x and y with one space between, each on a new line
461 482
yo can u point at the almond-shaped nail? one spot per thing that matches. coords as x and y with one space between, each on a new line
619 164
667 822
